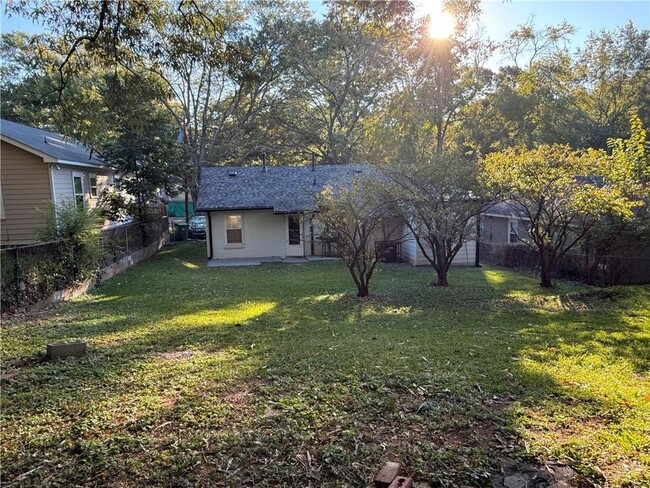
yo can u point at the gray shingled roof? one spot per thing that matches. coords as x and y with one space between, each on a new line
506 209
285 189
57 146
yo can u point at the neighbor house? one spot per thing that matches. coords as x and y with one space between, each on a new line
39 167
271 212
504 223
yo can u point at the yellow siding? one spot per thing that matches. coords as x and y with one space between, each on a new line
25 184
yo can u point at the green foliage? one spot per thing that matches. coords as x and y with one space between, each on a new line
143 148
614 235
248 370
79 229
113 205
69 255
562 194
359 218
67 220
437 195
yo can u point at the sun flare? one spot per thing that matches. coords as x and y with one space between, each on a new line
441 25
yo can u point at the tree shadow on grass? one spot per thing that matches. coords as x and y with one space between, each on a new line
266 377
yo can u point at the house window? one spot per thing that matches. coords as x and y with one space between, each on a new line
234 234
93 186
294 230
78 188
513 238
118 184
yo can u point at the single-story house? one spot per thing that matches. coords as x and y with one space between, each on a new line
270 212
38 167
503 223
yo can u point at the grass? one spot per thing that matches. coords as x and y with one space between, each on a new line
276 375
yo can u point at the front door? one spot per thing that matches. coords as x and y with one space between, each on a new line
294 236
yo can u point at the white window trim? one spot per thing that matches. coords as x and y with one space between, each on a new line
90 186
76 174
511 230
300 230
235 245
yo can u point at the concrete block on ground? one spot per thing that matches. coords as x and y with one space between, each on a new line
387 474
62 350
401 482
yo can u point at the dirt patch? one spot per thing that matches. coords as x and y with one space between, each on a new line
9 374
178 355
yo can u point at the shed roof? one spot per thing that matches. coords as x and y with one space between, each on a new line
285 189
53 147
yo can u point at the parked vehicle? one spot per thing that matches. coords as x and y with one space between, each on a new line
197 227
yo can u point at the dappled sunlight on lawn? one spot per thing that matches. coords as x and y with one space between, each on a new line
95 298
280 375
236 314
189 265
494 277
589 374
328 297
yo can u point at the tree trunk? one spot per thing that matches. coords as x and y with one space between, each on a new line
363 290
545 271
442 278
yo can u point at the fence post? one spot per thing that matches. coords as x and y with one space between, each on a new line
19 289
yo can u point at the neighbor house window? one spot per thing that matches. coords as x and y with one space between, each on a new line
234 234
78 188
93 186
513 237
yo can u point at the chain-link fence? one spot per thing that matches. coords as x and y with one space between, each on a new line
606 270
33 273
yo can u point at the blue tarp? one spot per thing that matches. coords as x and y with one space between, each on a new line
177 209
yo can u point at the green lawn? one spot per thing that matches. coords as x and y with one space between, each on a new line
277 375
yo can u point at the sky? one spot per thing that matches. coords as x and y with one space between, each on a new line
501 16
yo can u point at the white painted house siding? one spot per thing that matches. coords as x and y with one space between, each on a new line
265 234
62 183
412 253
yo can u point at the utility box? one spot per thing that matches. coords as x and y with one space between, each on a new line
62 350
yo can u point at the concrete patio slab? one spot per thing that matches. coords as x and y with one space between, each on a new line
222 263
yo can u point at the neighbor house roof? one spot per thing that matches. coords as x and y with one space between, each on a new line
285 189
506 209
52 147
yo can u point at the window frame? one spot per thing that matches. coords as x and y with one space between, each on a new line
512 232
92 176
290 235
75 195
241 230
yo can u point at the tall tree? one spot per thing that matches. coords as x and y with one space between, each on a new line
217 60
343 67
29 87
438 197
142 146
561 192
612 77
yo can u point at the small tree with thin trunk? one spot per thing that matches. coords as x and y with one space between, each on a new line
438 201
360 221
563 193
